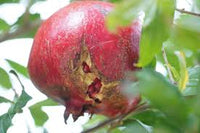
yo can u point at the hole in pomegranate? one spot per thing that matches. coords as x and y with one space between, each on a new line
86 68
97 100
94 88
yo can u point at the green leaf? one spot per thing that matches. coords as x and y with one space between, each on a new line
152 64
185 34
6 119
189 22
124 13
5 100
115 130
183 71
156 119
175 74
5 122
194 119
34 17
197 3
150 117
19 68
8 1
163 96
186 38
195 104
39 116
20 103
94 121
3 26
4 79
192 57
171 57
133 125
193 85
152 38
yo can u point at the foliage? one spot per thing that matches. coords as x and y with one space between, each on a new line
6 119
40 117
173 100
4 79
19 68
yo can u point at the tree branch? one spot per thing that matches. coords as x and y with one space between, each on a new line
24 28
138 109
187 12
20 31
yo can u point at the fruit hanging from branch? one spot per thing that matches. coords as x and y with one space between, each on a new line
76 61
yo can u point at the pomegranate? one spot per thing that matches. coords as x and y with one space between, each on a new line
76 61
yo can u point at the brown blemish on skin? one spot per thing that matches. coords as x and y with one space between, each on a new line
94 88
91 84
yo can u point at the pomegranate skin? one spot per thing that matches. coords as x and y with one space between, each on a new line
76 61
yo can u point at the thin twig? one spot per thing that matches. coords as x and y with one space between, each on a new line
138 109
20 31
188 12
167 66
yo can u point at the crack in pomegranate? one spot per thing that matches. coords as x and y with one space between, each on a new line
91 80
94 88
86 68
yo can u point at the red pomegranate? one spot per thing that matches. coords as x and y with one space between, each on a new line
76 61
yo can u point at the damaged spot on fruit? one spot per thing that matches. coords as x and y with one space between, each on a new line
94 88
92 82
86 68
97 100
92 85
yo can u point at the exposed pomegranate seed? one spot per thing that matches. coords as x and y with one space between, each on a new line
86 68
94 88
